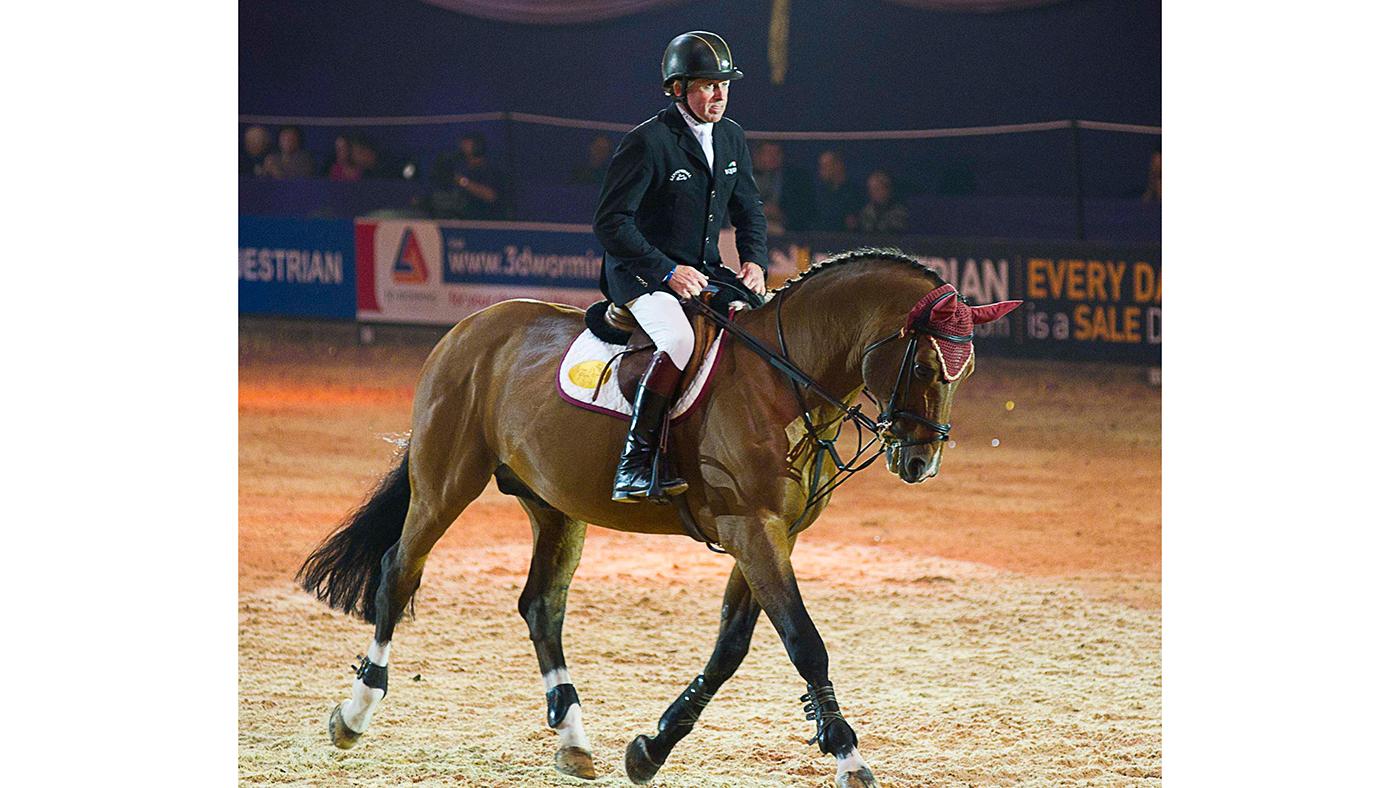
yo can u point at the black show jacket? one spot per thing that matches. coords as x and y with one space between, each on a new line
662 206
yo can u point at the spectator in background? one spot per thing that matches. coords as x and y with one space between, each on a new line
364 156
881 214
1153 193
600 152
786 191
257 141
465 186
343 168
836 200
291 160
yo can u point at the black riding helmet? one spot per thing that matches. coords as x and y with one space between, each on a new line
697 55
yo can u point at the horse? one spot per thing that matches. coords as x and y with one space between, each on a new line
486 406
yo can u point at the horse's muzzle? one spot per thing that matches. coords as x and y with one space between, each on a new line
915 464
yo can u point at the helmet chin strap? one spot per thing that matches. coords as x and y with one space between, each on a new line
684 100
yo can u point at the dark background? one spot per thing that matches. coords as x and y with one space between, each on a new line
852 65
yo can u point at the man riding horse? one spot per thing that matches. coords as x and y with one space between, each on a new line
666 193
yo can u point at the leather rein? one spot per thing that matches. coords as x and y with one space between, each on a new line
800 380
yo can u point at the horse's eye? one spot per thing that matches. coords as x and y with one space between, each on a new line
923 371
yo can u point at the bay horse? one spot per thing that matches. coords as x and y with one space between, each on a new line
486 406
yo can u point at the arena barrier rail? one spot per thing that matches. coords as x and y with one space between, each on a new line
1083 162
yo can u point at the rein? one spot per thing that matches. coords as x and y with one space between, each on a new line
780 361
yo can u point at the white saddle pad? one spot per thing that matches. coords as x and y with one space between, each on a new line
587 359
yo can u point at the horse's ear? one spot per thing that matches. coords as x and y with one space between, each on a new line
944 309
989 312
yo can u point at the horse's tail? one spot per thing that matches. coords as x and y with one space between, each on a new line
345 569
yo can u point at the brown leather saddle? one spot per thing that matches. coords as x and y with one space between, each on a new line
634 360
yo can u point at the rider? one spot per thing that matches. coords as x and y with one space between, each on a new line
667 190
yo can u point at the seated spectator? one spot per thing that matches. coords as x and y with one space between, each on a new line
836 200
257 141
600 152
365 157
291 160
343 168
1153 193
465 186
786 192
881 214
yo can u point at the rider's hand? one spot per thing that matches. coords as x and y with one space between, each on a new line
686 282
753 278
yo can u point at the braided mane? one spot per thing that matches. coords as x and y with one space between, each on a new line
863 253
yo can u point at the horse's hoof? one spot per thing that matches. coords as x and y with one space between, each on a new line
857 778
575 762
341 735
640 767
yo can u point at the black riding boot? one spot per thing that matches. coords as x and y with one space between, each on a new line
640 455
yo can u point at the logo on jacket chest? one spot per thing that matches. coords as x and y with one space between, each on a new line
681 175
732 168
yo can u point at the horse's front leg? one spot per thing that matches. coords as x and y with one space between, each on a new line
558 546
646 754
761 550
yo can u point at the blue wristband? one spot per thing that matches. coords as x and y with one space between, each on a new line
667 278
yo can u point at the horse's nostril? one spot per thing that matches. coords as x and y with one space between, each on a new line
916 467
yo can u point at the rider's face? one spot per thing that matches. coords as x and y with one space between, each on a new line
707 99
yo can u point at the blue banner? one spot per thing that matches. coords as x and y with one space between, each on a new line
293 266
537 258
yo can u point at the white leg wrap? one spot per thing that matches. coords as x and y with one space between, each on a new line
556 677
571 733
359 707
850 763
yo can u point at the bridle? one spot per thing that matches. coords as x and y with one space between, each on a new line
896 411
800 380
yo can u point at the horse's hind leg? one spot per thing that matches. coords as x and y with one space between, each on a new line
434 505
558 545
736 622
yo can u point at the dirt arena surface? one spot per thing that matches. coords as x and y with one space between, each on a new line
997 625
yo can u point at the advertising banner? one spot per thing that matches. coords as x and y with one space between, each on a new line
438 272
300 267
1090 301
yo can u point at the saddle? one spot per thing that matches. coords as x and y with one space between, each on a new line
614 324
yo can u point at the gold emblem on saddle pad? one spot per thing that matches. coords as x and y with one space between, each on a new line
586 374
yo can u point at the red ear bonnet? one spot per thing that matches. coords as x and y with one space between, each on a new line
949 323
990 312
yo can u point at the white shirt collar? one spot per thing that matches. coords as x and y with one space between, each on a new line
705 133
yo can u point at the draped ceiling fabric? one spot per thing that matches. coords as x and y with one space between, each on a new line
552 12
973 6
569 12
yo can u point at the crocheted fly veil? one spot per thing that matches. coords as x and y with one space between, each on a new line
947 320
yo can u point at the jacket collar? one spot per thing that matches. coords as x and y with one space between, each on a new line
671 116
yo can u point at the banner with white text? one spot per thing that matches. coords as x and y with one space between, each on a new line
1089 301
299 267
438 272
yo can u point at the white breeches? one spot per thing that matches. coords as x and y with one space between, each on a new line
661 316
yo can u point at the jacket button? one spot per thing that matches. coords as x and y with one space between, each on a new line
712 217
712 194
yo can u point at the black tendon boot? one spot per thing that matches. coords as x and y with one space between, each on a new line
634 472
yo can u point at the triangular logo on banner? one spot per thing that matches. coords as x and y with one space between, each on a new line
409 266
